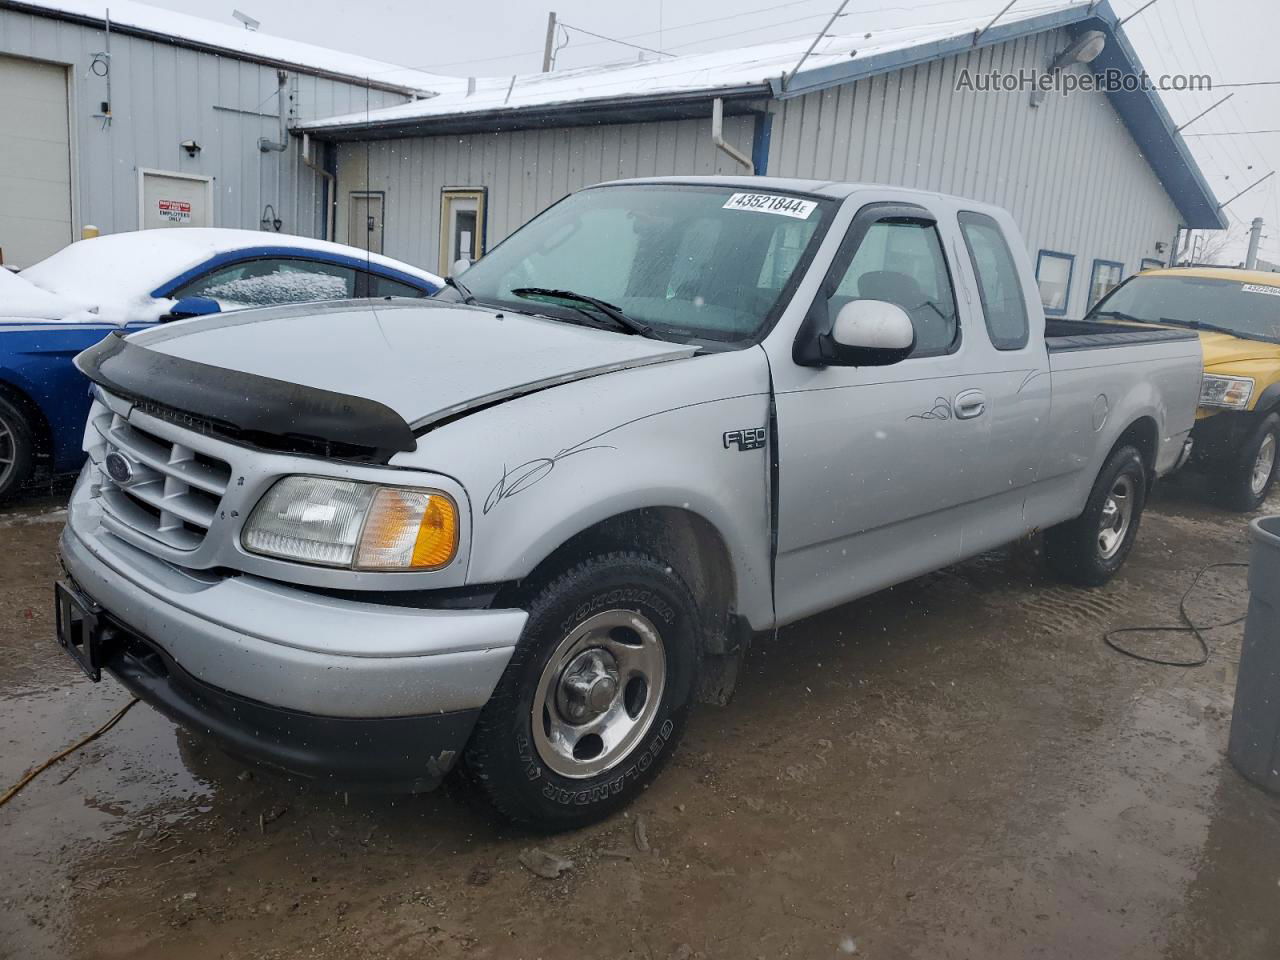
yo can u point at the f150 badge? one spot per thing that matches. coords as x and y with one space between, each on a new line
752 438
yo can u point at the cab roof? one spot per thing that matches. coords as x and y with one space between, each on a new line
1263 277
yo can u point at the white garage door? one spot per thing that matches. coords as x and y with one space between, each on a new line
35 161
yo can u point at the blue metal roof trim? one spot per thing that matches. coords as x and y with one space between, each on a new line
1142 111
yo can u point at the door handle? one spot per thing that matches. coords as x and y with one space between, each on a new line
969 404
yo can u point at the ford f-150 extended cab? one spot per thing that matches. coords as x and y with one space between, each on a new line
525 524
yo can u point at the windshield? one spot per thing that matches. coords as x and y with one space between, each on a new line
687 261
1249 310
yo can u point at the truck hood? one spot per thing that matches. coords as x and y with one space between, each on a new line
1220 348
424 360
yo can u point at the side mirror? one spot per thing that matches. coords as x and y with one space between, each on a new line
192 307
461 266
872 333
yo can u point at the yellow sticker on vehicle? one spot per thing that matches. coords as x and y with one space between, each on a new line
772 203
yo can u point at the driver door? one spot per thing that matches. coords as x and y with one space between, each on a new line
876 462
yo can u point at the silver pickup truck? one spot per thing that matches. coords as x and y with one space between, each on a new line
526 524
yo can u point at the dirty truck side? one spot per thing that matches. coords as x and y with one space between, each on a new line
523 526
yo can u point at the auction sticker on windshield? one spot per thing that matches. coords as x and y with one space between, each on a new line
771 203
1261 288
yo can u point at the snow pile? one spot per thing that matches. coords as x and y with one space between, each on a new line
22 300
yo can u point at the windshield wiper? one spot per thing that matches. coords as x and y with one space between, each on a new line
467 296
607 309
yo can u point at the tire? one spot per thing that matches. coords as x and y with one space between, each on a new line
1243 483
619 616
1089 550
17 450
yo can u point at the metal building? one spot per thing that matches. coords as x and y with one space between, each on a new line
147 118
1101 182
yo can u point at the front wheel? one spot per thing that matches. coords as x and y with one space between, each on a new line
1090 549
17 451
594 697
1245 482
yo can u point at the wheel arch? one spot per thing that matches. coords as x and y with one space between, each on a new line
690 543
1143 434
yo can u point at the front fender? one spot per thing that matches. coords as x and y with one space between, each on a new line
543 468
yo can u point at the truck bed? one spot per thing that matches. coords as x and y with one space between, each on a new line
1062 335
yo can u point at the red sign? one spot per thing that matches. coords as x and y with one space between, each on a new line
175 211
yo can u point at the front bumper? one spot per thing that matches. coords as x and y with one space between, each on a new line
1220 438
307 682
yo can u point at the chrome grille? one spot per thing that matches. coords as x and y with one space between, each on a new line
163 489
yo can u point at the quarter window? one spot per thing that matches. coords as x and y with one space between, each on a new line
999 288
385 287
273 280
902 262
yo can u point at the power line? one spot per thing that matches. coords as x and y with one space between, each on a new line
625 43
1232 133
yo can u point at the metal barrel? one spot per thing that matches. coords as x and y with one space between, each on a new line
1254 746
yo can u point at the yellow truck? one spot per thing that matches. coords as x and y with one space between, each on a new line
1237 315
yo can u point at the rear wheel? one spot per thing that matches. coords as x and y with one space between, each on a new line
1243 483
595 696
17 451
1091 548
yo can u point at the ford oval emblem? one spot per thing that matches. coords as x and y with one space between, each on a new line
119 468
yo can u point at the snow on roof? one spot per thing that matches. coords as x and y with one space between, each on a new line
121 269
251 44
734 69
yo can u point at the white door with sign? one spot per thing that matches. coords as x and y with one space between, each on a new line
168 199
461 227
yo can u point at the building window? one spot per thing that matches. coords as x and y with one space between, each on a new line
1000 290
1107 275
1053 274
1151 263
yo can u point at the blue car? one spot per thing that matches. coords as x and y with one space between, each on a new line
131 281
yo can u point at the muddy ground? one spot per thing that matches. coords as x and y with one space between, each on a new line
955 768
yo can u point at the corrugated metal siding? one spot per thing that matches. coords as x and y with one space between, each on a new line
525 172
1069 170
163 94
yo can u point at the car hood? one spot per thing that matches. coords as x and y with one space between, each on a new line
1220 348
426 361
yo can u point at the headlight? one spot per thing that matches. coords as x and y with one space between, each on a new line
361 526
1230 392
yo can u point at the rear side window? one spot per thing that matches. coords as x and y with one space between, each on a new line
901 261
268 281
386 287
999 286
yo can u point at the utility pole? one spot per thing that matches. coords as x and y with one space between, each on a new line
551 41
1255 234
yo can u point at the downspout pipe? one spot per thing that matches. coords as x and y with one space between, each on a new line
717 136
331 195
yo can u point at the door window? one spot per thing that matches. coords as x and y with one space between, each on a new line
999 287
385 287
902 262
272 280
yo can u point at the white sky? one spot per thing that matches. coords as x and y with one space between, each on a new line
1232 41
